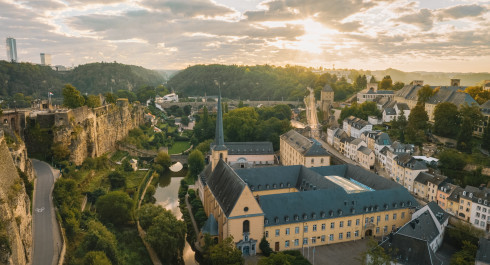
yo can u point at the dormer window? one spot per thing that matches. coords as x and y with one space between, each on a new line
281 185
267 186
313 215
340 212
322 214
330 213
266 221
471 195
464 193
305 216
296 217
258 187
286 218
274 186
276 220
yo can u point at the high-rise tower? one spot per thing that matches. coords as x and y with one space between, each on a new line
45 59
219 150
11 50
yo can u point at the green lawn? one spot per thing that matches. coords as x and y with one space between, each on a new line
179 147
118 155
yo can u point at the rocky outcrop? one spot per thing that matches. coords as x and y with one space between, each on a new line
93 132
15 216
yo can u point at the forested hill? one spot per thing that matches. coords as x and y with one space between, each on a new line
36 80
246 82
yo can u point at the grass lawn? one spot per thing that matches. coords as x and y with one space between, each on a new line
179 147
118 155
133 180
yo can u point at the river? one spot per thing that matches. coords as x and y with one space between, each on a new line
166 195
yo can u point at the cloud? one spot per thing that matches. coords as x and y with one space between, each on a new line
188 8
348 26
462 11
422 19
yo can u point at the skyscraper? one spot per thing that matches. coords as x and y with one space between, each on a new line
11 50
45 59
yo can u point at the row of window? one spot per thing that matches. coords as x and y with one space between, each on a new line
305 229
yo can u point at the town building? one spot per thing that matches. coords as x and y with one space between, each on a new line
395 110
426 185
406 169
480 209
250 154
327 99
296 149
418 241
371 92
354 127
351 146
443 193
365 157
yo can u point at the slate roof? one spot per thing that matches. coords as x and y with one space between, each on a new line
390 111
356 122
327 88
296 207
422 227
226 186
365 150
483 253
210 226
409 251
451 94
356 141
402 106
249 148
407 161
438 212
383 139
305 146
485 107
423 177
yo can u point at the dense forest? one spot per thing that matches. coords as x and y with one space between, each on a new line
36 80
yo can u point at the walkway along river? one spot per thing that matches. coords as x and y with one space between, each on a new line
166 195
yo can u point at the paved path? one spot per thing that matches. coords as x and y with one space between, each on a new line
47 239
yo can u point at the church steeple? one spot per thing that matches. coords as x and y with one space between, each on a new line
219 150
219 141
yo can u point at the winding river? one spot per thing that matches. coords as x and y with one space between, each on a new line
166 195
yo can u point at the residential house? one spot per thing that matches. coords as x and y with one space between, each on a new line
398 147
371 92
338 136
382 156
426 185
365 157
354 126
352 145
406 170
299 150
466 203
480 209
443 193
381 140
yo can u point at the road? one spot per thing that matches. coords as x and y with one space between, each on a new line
47 241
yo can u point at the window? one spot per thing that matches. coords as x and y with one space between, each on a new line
476 222
330 237
385 229
403 215
356 233
246 226
378 218
305 241
478 208
341 235
477 214
266 233
296 230
377 230
305 229
483 217
348 235
332 225
313 240
296 242
357 221
349 222
286 244
387 217
323 227
277 232
394 216
323 238
287 231
341 224
366 220
314 227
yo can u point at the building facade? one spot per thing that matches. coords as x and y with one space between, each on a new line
299 150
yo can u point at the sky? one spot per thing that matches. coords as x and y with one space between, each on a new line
423 35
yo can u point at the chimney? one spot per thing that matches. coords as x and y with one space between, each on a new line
455 82
418 82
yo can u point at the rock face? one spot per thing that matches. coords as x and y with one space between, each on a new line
92 132
15 216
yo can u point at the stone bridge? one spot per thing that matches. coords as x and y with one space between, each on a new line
179 158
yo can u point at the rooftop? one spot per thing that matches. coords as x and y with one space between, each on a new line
305 146
249 148
483 253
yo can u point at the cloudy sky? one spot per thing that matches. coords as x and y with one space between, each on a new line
422 35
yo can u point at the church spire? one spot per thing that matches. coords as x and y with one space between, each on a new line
219 141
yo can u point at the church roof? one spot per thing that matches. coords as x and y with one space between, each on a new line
219 141
249 148
226 186
210 226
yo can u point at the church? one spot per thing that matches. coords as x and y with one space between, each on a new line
295 206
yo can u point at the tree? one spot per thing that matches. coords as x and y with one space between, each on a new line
425 93
93 101
99 238
117 179
60 151
110 98
204 147
72 98
196 162
375 255
486 137
446 120
115 207
96 258
478 93
471 116
452 160
162 161
398 85
276 259
417 123
147 213
265 247
167 236
126 165
187 110
373 79
185 120
225 253
386 83
466 256
240 124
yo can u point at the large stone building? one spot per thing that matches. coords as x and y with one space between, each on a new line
371 93
296 206
299 150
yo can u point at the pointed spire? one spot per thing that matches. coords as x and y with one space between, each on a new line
219 141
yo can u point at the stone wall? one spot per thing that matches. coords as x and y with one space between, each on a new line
15 215
92 132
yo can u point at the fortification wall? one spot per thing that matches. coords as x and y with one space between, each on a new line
15 217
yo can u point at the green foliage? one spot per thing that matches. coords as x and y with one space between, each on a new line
29 185
66 197
462 232
117 179
471 116
386 83
451 159
375 255
147 213
196 163
204 147
167 236
398 85
72 98
417 124
486 137
362 111
126 166
115 207
60 151
292 257
466 256
425 93
96 258
93 101
265 247
99 163
446 120
110 98
99 238
225 253
162 162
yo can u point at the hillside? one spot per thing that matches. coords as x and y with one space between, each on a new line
432 78
36 80
246 82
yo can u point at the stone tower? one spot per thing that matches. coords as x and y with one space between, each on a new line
326 101
218 149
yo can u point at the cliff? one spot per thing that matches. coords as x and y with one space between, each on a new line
15 216
92 132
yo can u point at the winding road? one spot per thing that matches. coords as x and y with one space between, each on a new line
47 239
